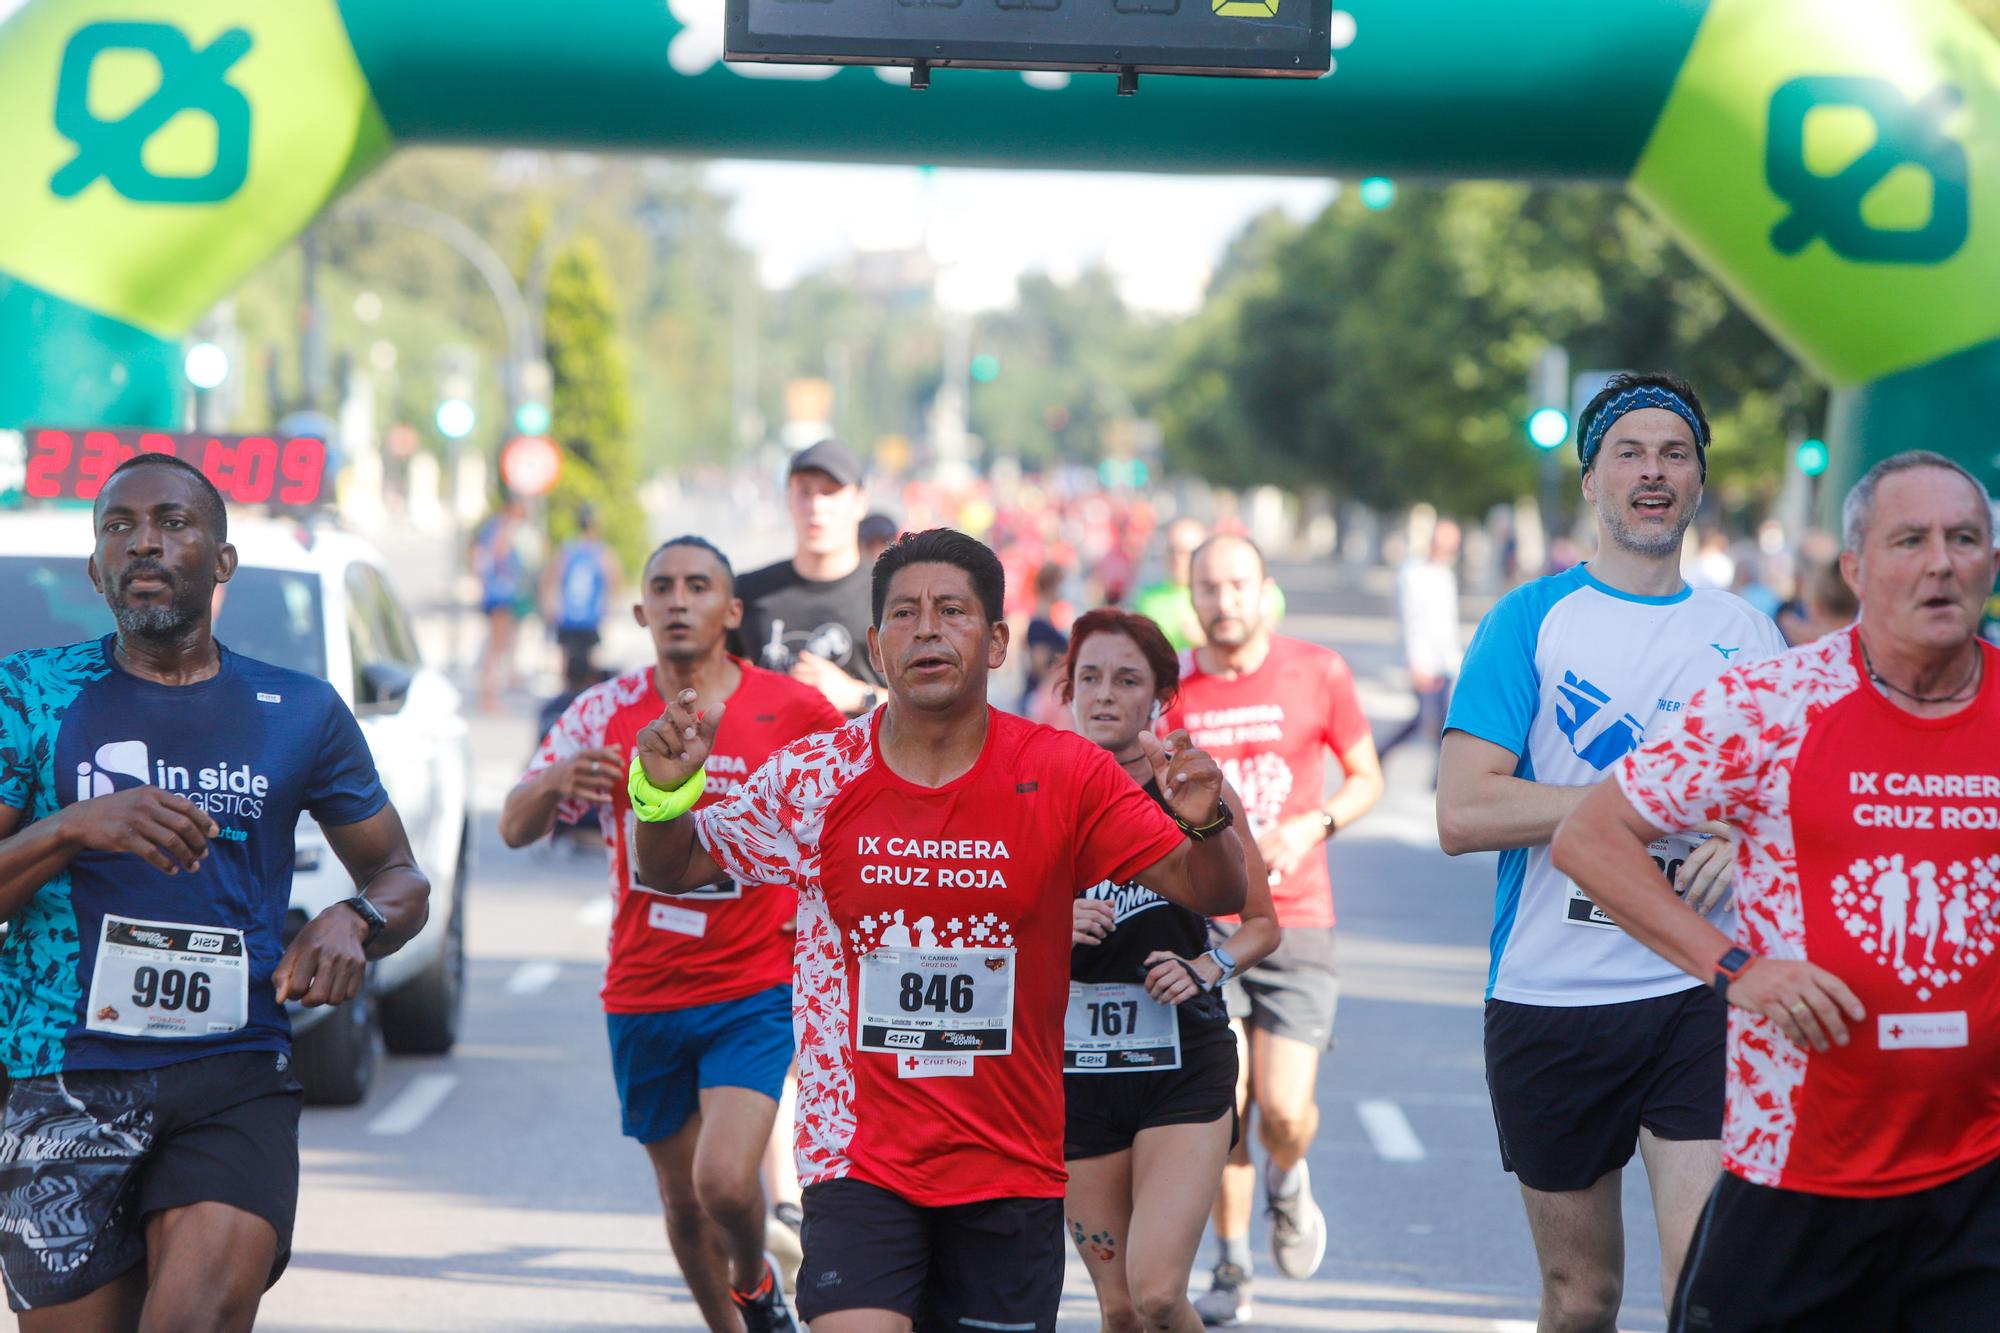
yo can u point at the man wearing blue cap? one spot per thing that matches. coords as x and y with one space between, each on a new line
1594 1044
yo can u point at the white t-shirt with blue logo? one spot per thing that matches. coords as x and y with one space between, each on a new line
1571 676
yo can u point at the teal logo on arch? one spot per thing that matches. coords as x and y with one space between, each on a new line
191 80
1908 132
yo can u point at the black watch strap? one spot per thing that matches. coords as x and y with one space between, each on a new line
369 912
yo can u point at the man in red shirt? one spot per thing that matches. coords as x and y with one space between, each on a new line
697 995
937 846
1270 709
1861 1142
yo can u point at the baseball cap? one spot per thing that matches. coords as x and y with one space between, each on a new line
831 457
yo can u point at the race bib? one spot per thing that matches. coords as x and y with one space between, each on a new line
159 979
957 1001
1668 853
1115 1027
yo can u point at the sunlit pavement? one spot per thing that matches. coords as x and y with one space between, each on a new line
490 1189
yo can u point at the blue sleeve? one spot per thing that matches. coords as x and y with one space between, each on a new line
345 789
1499 686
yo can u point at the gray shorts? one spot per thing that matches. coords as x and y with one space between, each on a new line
1293 993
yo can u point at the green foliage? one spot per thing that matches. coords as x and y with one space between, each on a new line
1068 358
592 406
1385 355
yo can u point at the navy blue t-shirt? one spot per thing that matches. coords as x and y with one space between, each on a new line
114 964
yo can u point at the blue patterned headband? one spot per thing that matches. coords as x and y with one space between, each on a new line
1644 395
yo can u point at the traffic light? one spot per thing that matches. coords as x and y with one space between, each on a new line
1812 457
1548 427
531 418
455 418
985 368
1377 193
1548 390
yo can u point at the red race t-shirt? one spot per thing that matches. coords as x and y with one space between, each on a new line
721 943
1871 847
934 942
1270 730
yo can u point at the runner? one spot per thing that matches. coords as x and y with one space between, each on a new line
1149 1065
697 995
150 783
1862 1148
809 615
1271 709
1593 1044
578 585
937 846
1427 607
500 553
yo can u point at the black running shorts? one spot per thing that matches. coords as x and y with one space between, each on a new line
971 1268
1103 1113
87 1157
1770 1259
1571 1087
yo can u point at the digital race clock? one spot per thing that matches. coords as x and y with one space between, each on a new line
247 469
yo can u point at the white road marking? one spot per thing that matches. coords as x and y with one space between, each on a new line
1390 1131
596 912
532 978
1513 1326
413 1105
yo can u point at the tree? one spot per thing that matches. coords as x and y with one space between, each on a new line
592 408
1386 355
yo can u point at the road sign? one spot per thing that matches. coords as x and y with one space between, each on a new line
530 465
1281 38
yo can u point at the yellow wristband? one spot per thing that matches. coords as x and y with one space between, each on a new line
650 805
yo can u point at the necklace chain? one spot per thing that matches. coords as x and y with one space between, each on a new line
1966 689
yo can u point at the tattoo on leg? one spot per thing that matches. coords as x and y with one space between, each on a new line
1099 1245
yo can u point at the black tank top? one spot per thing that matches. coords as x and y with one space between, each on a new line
1145 923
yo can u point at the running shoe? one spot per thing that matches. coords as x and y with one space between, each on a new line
764 1310
1227 1303
1298 1229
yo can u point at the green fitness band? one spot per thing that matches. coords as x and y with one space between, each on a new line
650 805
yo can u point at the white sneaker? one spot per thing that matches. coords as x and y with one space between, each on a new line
1227 1302
1298 1230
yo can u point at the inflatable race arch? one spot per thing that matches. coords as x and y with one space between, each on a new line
1834 163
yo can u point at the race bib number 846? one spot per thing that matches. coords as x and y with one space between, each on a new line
945 1000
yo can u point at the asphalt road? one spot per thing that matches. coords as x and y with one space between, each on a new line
490 1189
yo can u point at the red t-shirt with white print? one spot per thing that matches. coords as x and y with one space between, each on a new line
934 943
1871 847
726 940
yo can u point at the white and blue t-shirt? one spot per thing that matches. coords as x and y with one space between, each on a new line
1571 676
114 964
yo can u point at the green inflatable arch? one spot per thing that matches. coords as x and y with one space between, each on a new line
1836 163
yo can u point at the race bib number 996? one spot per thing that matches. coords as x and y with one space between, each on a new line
163 979
945 1000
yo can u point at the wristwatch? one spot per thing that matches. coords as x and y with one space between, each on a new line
1222 960
369 912
1328 827
1729 967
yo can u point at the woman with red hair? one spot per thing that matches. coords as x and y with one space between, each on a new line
1149 1061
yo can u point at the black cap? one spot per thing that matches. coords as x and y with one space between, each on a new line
831 457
